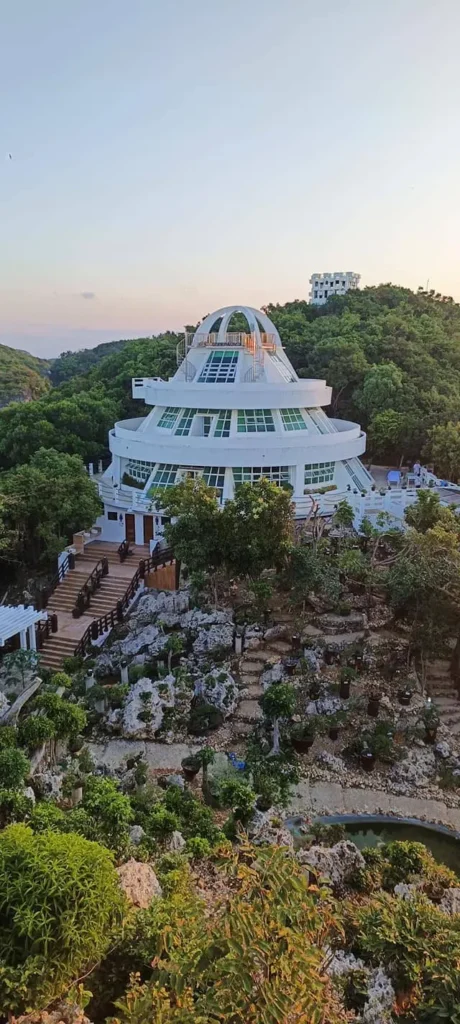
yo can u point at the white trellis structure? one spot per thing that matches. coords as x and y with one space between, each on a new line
20 620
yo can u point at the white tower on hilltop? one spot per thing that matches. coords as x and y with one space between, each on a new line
322 286
234 411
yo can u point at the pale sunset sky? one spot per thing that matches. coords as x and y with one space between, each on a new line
173 156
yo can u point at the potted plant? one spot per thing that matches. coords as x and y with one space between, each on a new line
303 735
315 688
334 722
405 695
367 758
347 674
290 665
373 705
267 793
190 767
430 719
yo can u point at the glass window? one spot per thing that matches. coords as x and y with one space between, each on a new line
169 417
293 419
255 421
139 470
285 372
214 477
165 476
113 516
219 368
319 473
224 419
249 474
185 422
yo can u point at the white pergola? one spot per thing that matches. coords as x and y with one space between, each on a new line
20 620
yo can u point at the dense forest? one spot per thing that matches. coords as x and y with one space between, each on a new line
391 355
22 376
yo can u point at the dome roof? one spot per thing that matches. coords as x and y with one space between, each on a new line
258 322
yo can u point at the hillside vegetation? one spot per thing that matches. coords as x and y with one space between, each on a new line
391 355
22 376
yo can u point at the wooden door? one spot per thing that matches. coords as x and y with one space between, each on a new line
130 527
148 529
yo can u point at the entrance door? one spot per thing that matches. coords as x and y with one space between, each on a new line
148 529
130 527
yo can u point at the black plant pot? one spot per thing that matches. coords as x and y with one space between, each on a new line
373 707
367 761
329 657
344 691
334 732
263 804
404 697
290 666
190 773
295 641
430 734
302 745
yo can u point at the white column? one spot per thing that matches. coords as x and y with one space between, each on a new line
23 639
116 469
228 486
299 479
32 638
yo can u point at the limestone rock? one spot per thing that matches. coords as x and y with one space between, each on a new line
333 624
139 882
417 769
136 834
278 632
274 674
132 726
442 749
405 890
49 784
176 843
196 619
338 863
336 764
219 688
267 827
29 793
175 780
211 639
450 902
343 963
380 998
152 605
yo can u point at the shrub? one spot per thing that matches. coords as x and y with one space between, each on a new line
8 736
59 903
59 679
73 664
35 730
14 766
198 848
238 794
14 806
195 819
161 823
69 719
110 810
47 815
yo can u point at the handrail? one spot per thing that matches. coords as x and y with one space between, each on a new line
123 550
91 584
45 592
100 626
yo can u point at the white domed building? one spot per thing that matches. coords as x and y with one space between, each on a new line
234 411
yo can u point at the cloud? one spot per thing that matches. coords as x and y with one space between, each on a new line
88 295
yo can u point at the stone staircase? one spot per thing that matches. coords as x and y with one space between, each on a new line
252 664
62 644
441 688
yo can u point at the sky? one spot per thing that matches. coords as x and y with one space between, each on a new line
173 156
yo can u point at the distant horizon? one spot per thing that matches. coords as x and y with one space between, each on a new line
38 343
174 158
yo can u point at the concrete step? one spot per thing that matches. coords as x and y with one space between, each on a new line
251 667
249 711
278 646
254 691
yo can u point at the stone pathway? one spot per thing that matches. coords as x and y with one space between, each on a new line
251 666
441 688
159 756
332 798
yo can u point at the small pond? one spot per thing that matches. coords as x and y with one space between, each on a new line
375 830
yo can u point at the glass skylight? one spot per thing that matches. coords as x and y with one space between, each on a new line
219 368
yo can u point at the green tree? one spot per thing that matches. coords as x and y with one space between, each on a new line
14 766
381 390
257 528
443 447
196 534
68 719
427 512
110 810
59 904
278 702
51 498
75 425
